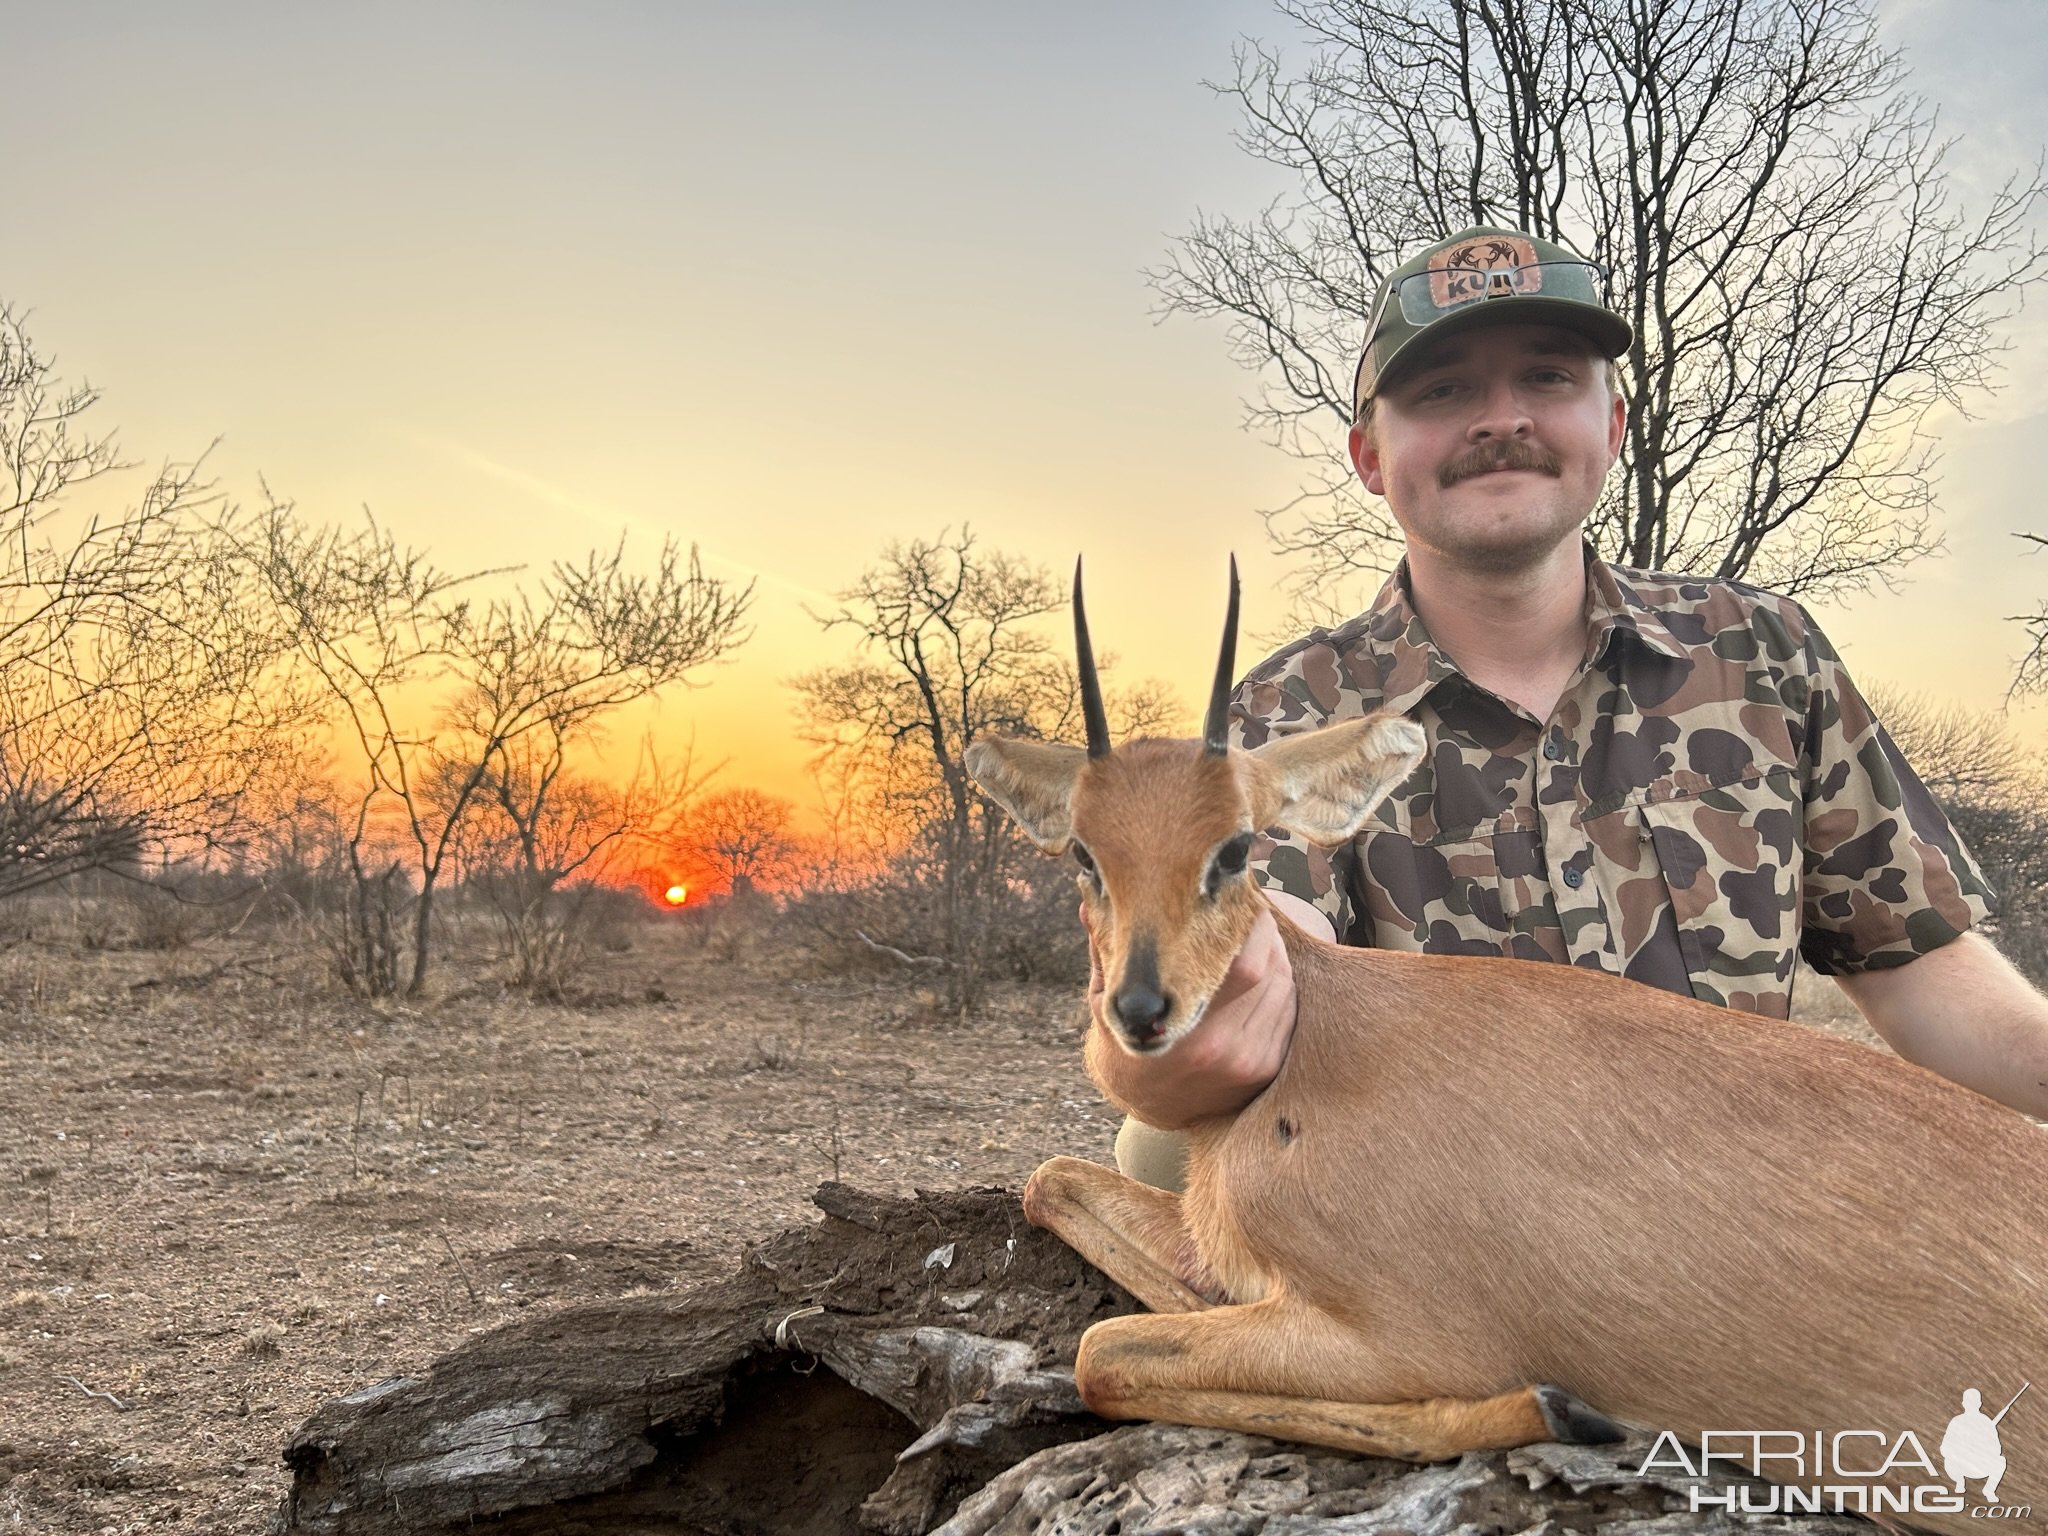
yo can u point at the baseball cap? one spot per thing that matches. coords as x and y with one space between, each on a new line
1482 276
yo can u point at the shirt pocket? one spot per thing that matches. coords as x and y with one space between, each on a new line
1471 895
1730 859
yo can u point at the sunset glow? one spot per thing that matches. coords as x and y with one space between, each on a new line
676 895
787 411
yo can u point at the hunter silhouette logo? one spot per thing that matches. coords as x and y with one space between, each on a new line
1473 270
1970 1446
1851 1471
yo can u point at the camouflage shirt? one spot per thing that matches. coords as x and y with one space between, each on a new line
1710 799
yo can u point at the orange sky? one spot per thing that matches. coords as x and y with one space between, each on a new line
785 281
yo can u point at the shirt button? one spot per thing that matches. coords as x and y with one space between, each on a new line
1574 876
1553 748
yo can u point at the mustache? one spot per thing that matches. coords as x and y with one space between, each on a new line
1491 456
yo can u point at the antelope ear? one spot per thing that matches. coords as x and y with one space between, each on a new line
1322 784
1033 781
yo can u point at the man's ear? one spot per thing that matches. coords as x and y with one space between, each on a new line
1365 458
1033 781
1322 784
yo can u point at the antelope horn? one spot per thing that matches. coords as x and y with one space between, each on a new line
1091 685
1215 725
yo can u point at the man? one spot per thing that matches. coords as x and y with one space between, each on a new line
1667 778
1970 1446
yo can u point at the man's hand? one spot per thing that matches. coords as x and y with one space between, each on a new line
1226 1060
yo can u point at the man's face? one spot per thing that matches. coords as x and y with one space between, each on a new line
1491 447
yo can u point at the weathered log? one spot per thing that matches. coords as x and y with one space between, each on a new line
954 1319
904 1365
1168 1480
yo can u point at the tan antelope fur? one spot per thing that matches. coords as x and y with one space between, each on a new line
1483 1194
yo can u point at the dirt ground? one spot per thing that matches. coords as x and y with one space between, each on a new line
226 1198
223 1204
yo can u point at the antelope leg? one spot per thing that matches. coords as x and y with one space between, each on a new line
1130 1231
1279 1368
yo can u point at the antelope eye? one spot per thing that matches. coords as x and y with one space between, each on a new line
1227 862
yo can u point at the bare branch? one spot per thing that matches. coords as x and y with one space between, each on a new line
143 701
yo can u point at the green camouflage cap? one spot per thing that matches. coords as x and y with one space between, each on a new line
1481 276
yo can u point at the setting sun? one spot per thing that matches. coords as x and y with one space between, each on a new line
676 895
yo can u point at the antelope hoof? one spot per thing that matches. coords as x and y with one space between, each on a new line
1571 1422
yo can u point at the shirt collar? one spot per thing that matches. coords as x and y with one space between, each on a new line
1615 606
1409 663
1411 666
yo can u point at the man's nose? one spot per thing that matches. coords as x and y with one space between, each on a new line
1501 415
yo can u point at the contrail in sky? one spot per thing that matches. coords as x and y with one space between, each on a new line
598 512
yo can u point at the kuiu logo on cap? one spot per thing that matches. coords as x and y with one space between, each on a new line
1459 274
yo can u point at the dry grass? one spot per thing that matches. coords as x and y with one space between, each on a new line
221 1205
263 1341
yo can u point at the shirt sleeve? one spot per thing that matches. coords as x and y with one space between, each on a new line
1272 702
1886 876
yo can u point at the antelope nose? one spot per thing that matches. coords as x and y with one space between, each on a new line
1141 1009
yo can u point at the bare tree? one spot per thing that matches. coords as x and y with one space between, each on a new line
952 649
2031 675
444 695
740 840
295 855
1767 195
140 700
548 848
